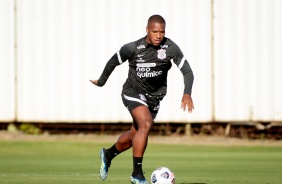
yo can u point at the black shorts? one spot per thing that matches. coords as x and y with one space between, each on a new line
131 101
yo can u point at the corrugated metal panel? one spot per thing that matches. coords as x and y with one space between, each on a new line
247 62
7 61
63 44
189 25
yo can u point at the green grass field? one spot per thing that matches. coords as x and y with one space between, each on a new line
72 162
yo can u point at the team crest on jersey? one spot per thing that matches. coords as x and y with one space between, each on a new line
161 54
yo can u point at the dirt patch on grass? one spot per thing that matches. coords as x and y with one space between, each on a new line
172 139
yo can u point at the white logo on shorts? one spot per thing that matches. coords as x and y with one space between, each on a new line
142 97
156 107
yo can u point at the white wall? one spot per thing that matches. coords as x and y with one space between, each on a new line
61 44
7 61
248 60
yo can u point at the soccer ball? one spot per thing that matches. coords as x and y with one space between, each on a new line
162 175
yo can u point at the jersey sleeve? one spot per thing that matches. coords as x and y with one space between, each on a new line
185 68
118 58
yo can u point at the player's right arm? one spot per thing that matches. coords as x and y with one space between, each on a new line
94 82
118 58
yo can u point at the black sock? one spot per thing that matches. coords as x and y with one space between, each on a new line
137 166
111 153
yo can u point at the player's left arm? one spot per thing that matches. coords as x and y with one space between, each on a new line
188 76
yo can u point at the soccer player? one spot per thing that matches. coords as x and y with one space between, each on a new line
150 59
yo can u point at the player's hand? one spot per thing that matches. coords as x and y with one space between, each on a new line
94 82
187 102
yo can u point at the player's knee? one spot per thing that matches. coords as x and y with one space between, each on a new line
146 125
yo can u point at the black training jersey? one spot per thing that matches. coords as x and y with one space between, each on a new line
149 66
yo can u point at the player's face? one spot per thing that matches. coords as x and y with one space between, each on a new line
155 33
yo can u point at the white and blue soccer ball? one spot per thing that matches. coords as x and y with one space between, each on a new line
162 175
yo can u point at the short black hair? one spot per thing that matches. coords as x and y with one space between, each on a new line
157 19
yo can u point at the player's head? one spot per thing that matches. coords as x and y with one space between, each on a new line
155 30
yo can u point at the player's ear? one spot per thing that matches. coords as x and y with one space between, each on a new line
147 29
